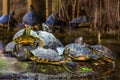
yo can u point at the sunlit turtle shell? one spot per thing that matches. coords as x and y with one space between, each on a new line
49 40
79 52
26 36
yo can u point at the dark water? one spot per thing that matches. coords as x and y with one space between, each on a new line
24 70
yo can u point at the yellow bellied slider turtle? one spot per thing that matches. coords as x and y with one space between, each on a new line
42 55
79 52
49 56
103 53
26 36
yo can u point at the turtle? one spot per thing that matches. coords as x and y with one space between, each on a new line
81 21
79 52
6 20
42 55
49 56
55 23
103 53
31 19
13 50
49 40
26 36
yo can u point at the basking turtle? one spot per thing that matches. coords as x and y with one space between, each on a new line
82 21
13 50
6 20
26 36
42 55
49 40
55 23
31 18
79 52
103 53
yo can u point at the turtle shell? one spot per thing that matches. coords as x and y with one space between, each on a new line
10 46
49 40
46 54
21 38
103 51
29 19
77 50
4 19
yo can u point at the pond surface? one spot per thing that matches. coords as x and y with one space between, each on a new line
10 68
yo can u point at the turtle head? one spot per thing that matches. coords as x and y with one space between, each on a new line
45 27
66 52
27 30
79 40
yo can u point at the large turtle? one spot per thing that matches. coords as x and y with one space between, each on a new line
49 56
49 40
42 55
26 36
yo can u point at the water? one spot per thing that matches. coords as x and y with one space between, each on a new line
24 70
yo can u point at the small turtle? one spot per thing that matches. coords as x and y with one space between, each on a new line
103 53
26 36
6 20
55 23
49 40
81 21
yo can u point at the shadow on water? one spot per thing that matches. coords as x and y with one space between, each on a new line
12 69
